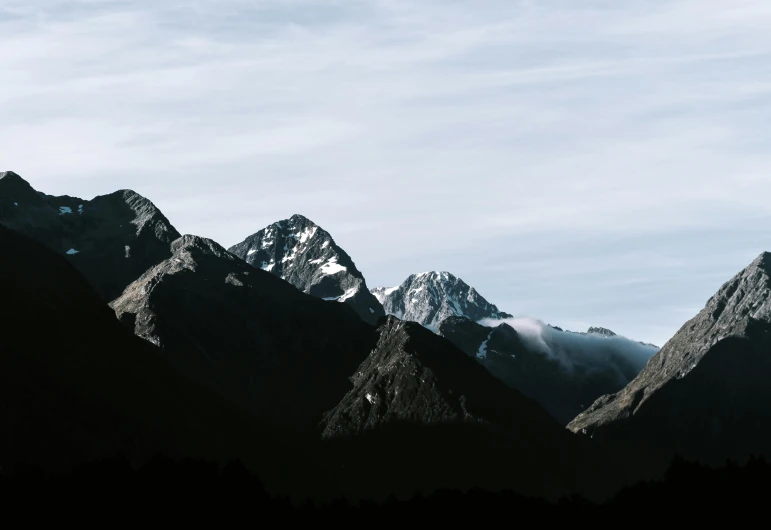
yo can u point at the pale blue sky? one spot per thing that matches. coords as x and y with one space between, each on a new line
585 162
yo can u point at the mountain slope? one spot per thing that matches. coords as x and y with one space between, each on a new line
430 297
705 395
255 338
302 253
76 386
564 390
111 239
425 410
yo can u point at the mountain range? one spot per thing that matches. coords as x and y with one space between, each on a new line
122 336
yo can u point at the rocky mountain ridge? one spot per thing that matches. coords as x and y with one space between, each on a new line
701 394
430 297
305 255
111 239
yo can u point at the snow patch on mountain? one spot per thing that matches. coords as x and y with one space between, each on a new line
332 267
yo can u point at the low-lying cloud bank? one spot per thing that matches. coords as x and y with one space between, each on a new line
587 352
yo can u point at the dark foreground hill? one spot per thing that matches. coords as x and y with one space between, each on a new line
76 386
200 492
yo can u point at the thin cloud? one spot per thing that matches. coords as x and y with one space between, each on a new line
449 130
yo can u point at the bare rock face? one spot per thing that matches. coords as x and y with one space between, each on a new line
705 395
305 255
431 297
112 239
259 341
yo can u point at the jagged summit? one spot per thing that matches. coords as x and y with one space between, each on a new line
763 261
601 331
14 189
304 254
111 239
430 297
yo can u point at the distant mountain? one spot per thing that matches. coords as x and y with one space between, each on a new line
601 331
302 253
564 381
243 331
431 297
705 395
111 239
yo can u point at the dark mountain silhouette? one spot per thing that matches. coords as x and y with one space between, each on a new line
302 253
76 386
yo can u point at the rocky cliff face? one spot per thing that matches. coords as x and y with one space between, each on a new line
704 394
111 239
302 253
431 297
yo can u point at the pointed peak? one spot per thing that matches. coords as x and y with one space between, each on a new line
13 185
298 218
293 223
437 276
762 262
601 331
10 175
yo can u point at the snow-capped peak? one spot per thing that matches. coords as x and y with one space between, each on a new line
430 297
305 255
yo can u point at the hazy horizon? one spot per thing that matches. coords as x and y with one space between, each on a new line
589 163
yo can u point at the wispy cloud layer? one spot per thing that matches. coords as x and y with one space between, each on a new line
522 144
